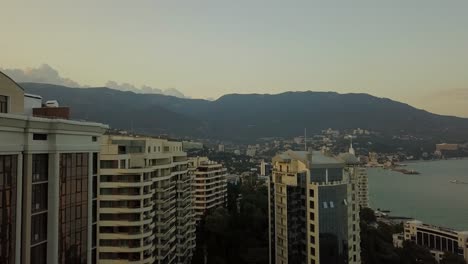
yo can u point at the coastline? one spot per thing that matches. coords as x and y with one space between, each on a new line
429 197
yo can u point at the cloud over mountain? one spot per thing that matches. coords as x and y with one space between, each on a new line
144 89
46 74
41 74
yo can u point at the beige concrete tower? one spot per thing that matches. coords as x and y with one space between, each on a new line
210 185
314 216
145 202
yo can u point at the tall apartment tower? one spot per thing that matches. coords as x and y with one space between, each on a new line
358 177
363 187
145 202
210 185
314 215
48 172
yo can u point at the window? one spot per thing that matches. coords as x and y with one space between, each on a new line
95 163
39 197
73 229
38 228
95 187
3 104
94 139
40 167
311 204
311 193
109 164
37 136
8 176
39 254
312 216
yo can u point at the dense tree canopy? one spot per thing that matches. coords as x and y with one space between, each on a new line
238 234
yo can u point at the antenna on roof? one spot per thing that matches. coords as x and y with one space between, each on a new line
305 139
351 149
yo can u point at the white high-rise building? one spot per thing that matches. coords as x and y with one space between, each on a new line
262 168
145 206
210 185
48 172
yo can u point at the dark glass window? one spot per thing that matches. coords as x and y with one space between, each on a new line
38 228
95 163
94 211
311 193
94 232
94 187
426 239
39 254
8 175
40 167
109 164
73 214
39 136
3 104
94 256
39 197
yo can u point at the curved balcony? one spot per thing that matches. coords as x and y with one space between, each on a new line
148 260
121 210
124 184
119 249
138 235
119 197
120 222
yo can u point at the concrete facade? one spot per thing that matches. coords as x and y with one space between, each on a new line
313 208
145 202
210 185
437 239
40 148
14 94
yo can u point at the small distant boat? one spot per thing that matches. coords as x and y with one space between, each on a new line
405 171
458 182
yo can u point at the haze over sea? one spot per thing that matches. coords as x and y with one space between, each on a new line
428 197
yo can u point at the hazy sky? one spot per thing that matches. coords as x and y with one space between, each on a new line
412 51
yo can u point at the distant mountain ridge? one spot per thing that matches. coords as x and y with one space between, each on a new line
249 116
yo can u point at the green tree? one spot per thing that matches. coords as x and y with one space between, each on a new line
414 254
367 215
450 258
229 236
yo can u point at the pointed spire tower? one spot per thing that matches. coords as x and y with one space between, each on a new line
351 149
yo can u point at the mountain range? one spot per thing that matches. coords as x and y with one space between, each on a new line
249 116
